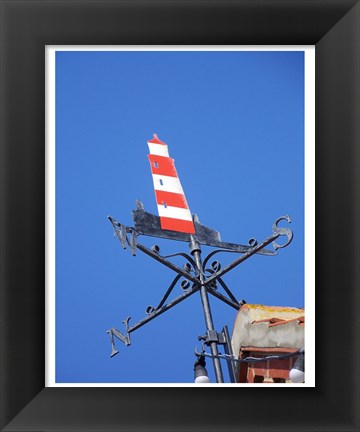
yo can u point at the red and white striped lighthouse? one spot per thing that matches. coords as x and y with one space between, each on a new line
173 209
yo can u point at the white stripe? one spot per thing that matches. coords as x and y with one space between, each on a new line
169 184
158 149
174 212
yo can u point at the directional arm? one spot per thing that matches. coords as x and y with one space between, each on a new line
229 302
165 308
277 232
154 313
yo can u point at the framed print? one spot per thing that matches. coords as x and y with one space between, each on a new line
98 99
27 29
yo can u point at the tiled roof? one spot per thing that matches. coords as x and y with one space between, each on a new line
278 321
272 310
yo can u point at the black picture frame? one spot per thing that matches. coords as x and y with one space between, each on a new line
26 27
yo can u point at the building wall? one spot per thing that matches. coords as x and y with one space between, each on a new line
268 371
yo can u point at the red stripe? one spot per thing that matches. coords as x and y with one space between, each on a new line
177 225
155 140
162 165
172 199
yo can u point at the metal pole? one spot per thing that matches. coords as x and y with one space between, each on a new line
196 253
229 351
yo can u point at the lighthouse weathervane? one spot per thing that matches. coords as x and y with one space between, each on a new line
175 222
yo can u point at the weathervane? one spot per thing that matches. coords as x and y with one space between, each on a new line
175 222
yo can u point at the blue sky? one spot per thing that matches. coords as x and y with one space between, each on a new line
233 122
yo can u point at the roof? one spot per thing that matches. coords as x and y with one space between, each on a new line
156 140
268 326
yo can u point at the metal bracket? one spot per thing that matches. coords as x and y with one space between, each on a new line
222 338
213 336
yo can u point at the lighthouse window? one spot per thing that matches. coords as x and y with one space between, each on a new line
165 205
161 182
156 165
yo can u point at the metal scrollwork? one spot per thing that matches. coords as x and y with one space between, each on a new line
149 310
216 266
185 284
188 268
156 249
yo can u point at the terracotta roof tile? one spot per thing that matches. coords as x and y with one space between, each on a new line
278 321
